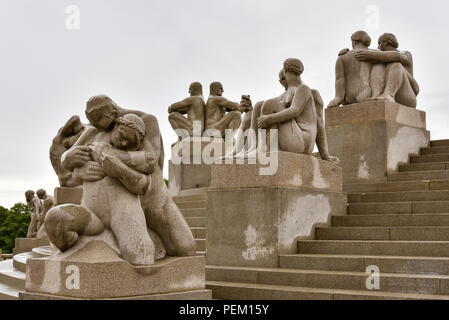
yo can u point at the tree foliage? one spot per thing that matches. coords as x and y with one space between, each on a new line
13 224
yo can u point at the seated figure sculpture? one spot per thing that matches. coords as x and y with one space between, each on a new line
112 202
297 114
194 107
222 114
392 73
162 215
352 76
365 74
34 205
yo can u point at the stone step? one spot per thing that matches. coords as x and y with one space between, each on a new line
246 291
8 292
198 232
399 207
10 276
391 220
200 245
343 280
433 166
403 196
20 260
196 222
429 158
388 248
419 175
383 233
194 212
434 150
192 197
389 186
359 263
191 205
439 143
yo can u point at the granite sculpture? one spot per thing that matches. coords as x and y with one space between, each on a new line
365 74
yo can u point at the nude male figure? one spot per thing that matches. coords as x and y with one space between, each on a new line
222 114
35 206
161 213
193 106
392 72
352 76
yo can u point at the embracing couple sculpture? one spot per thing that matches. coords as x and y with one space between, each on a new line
366 74
118 161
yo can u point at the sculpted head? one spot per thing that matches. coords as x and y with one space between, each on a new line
196 89
388 42
360 38
29 195
216 89
128 132
282 79
101 112
293 69
41 193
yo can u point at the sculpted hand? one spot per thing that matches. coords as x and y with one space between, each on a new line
362 55
263 122
343 52
77 157
91 171
97 149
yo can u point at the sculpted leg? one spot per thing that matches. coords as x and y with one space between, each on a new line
405 95
377 80
164 217
129 228
65 223
178 121
394 79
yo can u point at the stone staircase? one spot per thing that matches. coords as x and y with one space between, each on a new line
400 226
193 207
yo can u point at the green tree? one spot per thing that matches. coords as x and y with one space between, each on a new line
13 224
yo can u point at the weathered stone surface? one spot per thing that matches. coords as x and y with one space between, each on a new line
68 195
27 244
373 138
375 110
187 295
294 170
252 226
193 172
103 274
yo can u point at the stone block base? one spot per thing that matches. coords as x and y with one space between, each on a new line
251 227
189 171
252 219
374 137
289 170
95 271
27 244
187 295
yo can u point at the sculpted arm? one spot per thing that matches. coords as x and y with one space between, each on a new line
384 56
340 85
180 106
300 100
228 105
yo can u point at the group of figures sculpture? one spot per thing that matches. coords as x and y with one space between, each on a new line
39 203
117 158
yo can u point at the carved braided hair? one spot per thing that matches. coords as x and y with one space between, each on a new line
294 65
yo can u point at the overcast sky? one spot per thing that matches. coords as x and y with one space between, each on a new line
144 54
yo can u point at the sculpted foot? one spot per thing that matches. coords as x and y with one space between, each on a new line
385 97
